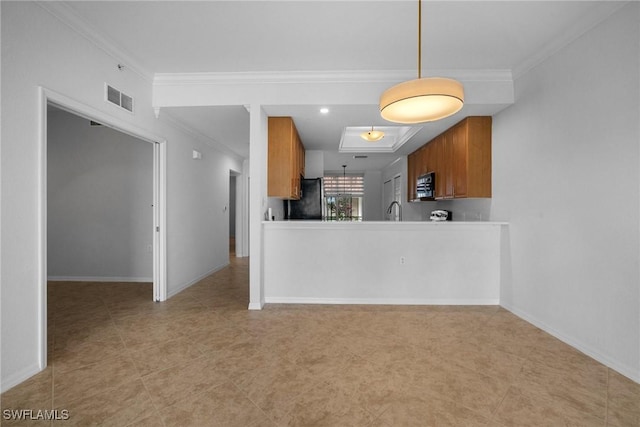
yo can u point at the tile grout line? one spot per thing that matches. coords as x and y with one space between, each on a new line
140 376
246 395
494 413
128 355
225 314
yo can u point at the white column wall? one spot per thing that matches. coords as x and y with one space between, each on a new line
257 202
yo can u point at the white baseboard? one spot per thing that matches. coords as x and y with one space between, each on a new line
379 301
19 377
99 279
181 288
628 371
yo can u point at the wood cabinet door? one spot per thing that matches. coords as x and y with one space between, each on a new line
301 155
437 150
285 163
447 163
278 162
411 176
428 158
296 155
460 159
423 159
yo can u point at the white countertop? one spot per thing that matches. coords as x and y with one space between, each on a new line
309 224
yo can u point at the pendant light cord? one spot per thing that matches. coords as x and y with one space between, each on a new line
419 38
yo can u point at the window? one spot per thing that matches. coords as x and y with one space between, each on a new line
343 197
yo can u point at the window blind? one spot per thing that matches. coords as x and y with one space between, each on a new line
349 185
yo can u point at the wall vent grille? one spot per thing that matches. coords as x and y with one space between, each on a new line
118 98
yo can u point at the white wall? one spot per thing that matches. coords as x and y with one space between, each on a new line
464 209
99 206
382 262
566 178
277 209
314 164
564 155
37 49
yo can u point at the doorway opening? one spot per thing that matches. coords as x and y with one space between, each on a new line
99 202
153 247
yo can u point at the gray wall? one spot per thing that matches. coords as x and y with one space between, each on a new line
100 192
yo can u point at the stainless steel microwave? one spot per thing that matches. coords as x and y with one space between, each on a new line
426 186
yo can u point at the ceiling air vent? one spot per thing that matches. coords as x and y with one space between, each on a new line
122 100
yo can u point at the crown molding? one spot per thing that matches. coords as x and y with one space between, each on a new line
297 77
597 15
68 16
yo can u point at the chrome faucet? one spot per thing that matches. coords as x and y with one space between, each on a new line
395 202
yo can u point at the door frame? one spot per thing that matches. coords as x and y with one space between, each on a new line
386 196
237 208
159 198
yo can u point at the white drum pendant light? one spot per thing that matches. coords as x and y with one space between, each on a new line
423 99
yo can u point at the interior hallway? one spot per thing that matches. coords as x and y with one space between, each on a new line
201 358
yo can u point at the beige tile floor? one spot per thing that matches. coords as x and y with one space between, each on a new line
200 358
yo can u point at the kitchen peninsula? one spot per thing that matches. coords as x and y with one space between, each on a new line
384 262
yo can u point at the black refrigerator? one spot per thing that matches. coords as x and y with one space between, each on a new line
310 204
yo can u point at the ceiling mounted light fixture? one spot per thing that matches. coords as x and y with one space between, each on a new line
372 135
423 99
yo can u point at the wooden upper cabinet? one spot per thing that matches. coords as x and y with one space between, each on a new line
301 158
461 159
411 176
429 159
437 155
286 159
423 156
446 167
472 167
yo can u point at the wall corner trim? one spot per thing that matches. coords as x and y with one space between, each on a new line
19 377
256 305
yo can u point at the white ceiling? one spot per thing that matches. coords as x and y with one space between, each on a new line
307 35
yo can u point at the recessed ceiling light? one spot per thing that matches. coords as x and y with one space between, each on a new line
324 110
